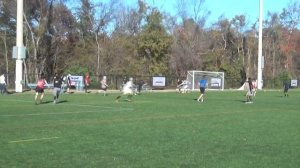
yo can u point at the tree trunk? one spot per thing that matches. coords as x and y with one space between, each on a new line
98 55
35 46
6 57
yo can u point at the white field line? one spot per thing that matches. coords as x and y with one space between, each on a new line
16 100
82 105
61 113
68 104
31 140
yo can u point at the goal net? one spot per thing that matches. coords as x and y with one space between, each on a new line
215 80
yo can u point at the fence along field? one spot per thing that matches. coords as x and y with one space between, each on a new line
155 130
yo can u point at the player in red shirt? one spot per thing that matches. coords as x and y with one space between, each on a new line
86 81
254 83
39 90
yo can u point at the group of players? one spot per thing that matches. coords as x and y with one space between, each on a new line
183 87
58 82
129 88
250 87
57 86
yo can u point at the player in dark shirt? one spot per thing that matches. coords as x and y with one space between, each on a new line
286 87
57 82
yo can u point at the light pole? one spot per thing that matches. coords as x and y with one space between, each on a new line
20 54
259 62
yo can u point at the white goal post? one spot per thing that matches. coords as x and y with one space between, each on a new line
215 80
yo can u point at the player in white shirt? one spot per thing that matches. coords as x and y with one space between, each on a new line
128 89
184 86
103 86
2 84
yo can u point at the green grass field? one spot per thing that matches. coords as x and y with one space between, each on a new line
155 130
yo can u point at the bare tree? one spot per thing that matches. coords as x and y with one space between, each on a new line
290 18
194 9
4 39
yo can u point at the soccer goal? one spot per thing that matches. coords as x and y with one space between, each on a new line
215 80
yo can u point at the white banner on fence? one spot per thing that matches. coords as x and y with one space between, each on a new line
159 81
215 82
77 81
294 82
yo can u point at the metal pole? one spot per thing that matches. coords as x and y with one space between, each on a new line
19 44
259 62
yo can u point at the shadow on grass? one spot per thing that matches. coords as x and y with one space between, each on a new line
59 102
46 102
242 101
62 101
71 92
9 92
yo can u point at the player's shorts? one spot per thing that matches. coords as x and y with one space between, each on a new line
56 91
202 90
103 88
128 92
249 93
39 90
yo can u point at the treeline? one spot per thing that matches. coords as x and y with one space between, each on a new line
114 39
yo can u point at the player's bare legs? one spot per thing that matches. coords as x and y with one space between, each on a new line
117 98
200 98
